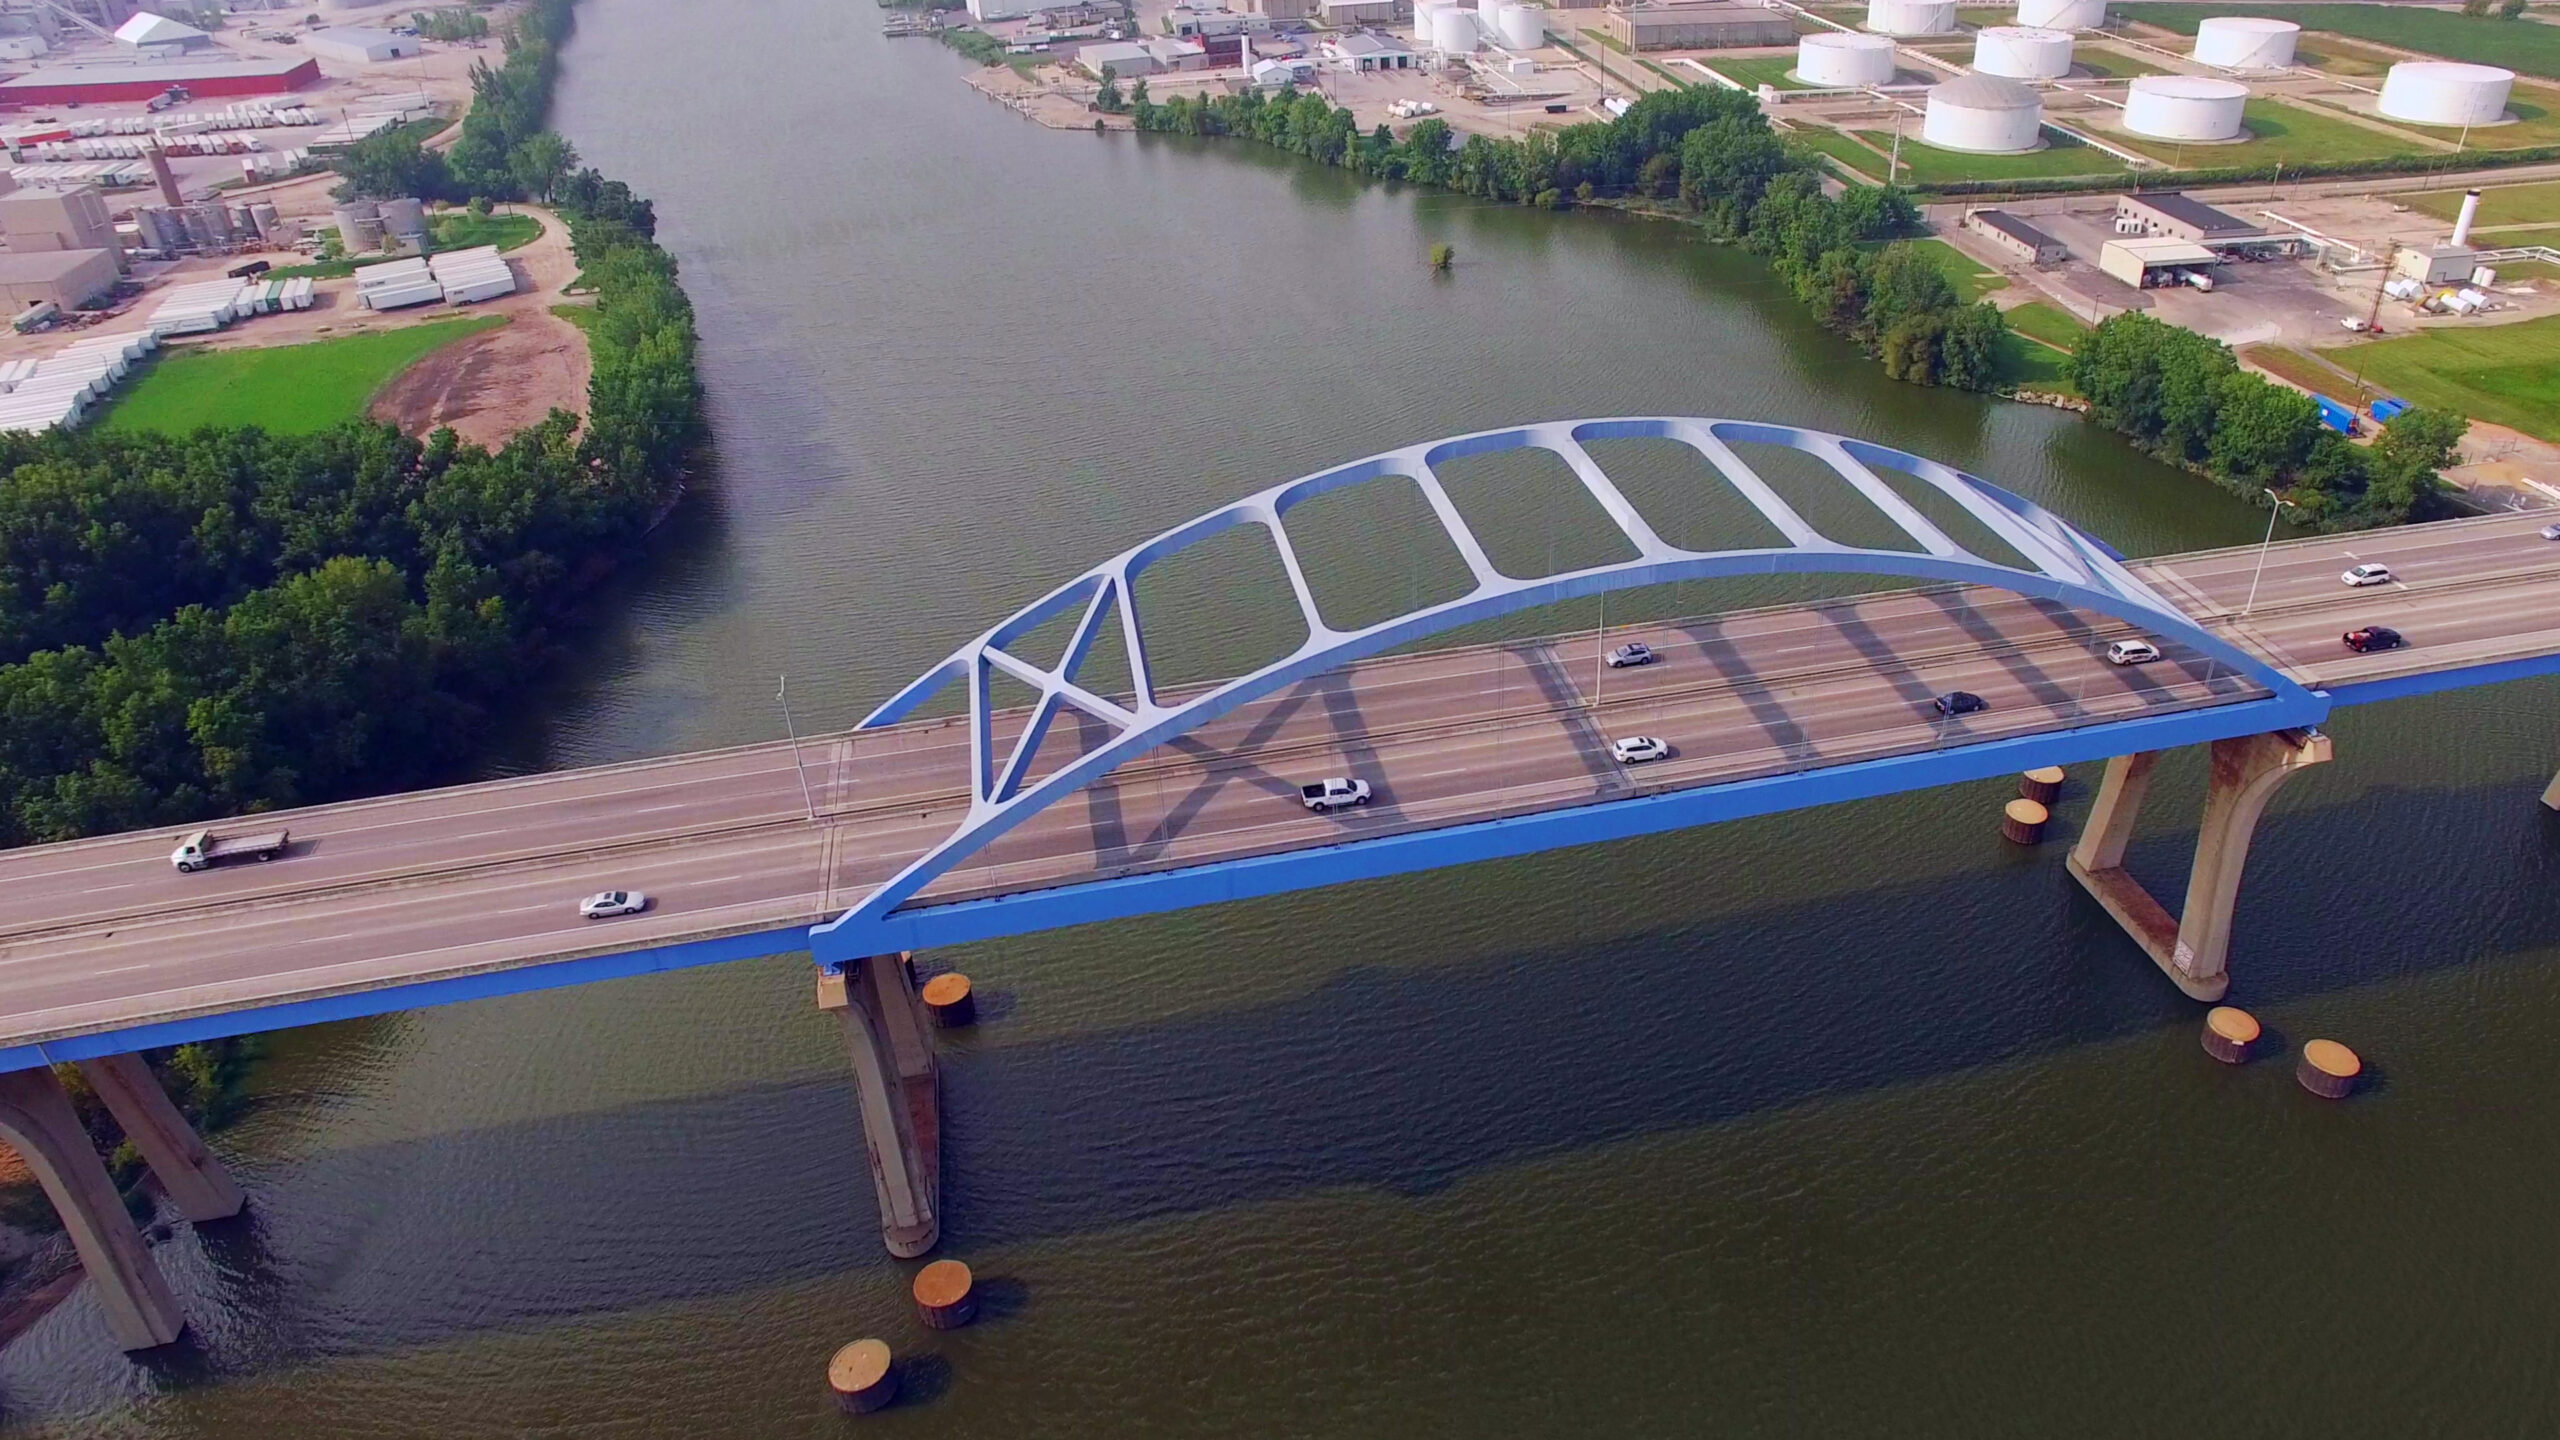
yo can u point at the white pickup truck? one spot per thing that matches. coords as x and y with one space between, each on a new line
204 848
1334 793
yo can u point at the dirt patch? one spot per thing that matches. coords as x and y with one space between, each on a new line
490 385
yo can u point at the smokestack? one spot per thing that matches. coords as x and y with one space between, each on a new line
169 182
2470 212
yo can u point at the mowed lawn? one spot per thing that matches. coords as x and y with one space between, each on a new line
2523 45
286 389
2049 323
1971 277
2506 374
1924 164
2499 204
1754 71
2278 132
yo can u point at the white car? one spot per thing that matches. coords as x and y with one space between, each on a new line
2367 575
1637 749
1334 793
2132 652
1634 652
610 903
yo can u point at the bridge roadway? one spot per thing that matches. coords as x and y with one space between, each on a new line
103 935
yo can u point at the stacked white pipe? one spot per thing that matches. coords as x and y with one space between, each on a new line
196 309
58 391
2062 14
2185 107
1911 17
1833 58
2443 92
2245 42
479 273
2020 53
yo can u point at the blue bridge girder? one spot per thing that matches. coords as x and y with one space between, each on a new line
2063 564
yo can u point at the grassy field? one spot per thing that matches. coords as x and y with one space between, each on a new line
460 230
1753 71
2521 45
2534 125
1928 165
2499 204
2051 324
1971 279
582 316
2026 365
2332 56
2500 373
288 389
2499 239
2108 65
2296 368
2278 132
1839 146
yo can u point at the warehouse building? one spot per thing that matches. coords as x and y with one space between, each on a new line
2016 237
1348 13
33 221
159 36
66 278
2179 217
101 84
356 45
2155 260
1706 26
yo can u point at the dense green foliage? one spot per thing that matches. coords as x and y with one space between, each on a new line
978 45
235 620
2185 398
1708 152
454 24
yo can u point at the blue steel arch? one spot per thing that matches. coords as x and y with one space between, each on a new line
2069 565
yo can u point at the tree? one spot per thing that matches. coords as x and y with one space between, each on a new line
391 165
541 162
2261 432
1443 255
1108 99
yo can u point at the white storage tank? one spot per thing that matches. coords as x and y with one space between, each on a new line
2022 54
1832 58
2185 107
1524 27
404 219
2442 92
2245 42
1453 30
1911 17
1983 114
2062 14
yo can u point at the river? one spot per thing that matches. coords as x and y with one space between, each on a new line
1854 1121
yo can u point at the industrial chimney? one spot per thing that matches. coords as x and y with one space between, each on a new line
2470 212
169 183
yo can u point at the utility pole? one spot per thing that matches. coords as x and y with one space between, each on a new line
2275 507
1599 652
782 693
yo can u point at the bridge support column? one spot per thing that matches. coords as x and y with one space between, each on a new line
2192 949
37 1120
2551 796
897 1089
195 1180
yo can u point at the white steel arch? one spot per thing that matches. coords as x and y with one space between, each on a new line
2068 565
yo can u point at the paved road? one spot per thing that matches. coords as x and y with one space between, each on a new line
102 934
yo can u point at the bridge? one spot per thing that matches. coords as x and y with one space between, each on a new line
1092 801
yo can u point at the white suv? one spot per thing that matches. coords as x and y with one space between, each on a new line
2132 652
2364 575
1637 749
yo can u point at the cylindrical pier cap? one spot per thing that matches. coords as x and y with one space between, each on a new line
2328 1069
950 1000
943 1295
2022 822
862 1377
2043 785
2229 1034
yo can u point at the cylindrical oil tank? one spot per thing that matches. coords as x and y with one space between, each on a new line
2185 107
2022 54
355 213
263 215
2442 92
367 235
2062 14
1524 27
1453 30
1983 114
1911 17
404 219
1831 58
2245 42
1422 12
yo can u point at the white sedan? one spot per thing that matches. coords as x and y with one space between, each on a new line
609 903
2364 575
1637 749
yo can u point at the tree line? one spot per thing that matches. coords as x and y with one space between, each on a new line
1710 154
2185 398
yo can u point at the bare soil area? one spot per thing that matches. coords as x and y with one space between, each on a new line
490 385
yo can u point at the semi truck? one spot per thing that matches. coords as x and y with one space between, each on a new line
204 848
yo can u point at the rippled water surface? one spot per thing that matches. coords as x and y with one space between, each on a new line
1851 1122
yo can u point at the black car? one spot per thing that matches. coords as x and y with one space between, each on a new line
2373 637
1960 702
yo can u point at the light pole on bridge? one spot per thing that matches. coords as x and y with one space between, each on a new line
2275 507
782 693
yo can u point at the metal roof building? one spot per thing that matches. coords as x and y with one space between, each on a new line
87 84
2181 217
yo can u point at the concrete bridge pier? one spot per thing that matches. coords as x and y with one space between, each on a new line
897 1090
2194 948
2551 796
37 1120
194 1180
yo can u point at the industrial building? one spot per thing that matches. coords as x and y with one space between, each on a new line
2159 260
1983 115
2180 217
2016 52
64 278
2245 42
2185 107
356 45
1364 12
1365 51
2443 92
1282 9
101 84
1705 26
159 36
2016 237
1836 59
39 220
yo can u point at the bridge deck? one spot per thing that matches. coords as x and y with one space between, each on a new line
103 935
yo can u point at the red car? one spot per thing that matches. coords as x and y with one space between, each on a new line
2373 637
